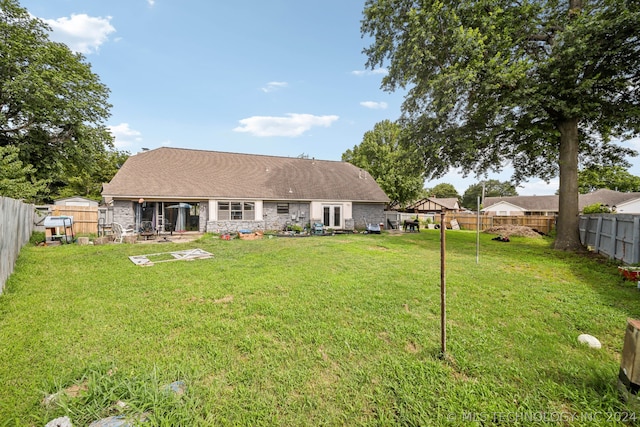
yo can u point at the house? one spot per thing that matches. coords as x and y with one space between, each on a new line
434 205
521 205
549 205
195 190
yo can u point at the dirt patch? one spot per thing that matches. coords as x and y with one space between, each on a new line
224 300
412 347
514 230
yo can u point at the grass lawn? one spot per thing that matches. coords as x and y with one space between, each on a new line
341 330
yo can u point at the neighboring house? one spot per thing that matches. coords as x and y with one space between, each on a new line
75 201
196 190
628 203
520 205
434 205
549 205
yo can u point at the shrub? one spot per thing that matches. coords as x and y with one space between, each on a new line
596 208
37 237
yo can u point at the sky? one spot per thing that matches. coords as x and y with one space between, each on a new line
278 77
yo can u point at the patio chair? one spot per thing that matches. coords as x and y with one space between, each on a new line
146 230
119 232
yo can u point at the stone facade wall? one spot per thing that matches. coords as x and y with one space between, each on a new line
372 212
203 213
298 215
271 221
233 226
123 213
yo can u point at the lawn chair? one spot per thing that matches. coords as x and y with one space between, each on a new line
318 228
119 232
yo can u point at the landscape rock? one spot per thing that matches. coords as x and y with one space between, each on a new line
177 387
116 421
590 340
60 422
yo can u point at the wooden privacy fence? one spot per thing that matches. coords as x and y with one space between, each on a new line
544 224
616 236
85 218
16 225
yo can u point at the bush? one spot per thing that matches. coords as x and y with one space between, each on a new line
596 208
37 237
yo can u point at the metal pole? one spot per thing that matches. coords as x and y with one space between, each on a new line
478 234
443 287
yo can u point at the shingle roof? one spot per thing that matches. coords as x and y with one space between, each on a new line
529 203
191 174
550 203
448 202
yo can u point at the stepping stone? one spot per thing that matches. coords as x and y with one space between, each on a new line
590 340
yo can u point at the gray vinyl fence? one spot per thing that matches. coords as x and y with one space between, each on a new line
16 225
615 235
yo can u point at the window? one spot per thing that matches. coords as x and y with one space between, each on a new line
236 211
283 208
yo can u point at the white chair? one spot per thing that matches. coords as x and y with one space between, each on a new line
119 232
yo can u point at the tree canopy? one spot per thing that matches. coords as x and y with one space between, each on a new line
15 181
443 191
395 169
611 177
537 85
487 188
52 106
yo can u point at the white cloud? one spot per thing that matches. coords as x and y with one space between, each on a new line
82 33
292 125
151 2
370 72
272 86
374 105
538 188
124 135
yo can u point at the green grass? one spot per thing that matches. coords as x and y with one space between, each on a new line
341 330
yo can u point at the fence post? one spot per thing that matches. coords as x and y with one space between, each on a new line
598 232
614 236
635 253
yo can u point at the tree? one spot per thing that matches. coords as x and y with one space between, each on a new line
611 177
488 188
443 191
538 85
14 177
396 170
52 106
86 179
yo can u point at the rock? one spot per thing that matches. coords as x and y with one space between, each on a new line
60 422
50 399
177 387
101 240
590 340
121 421
83 241
117 421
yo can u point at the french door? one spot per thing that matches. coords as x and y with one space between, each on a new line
332 216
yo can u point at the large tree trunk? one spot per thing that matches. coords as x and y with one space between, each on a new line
568 235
